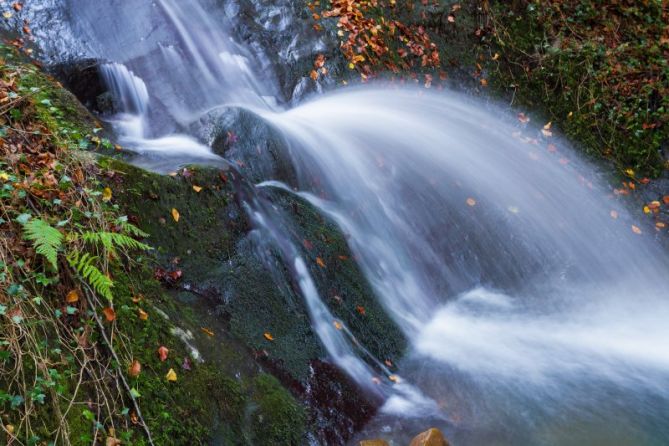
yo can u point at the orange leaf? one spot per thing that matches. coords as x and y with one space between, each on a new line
320 262
665 199
207 331
162 353
636 229
268 336
72 297
143 315
338 325
471 202
360 309
110 314
135 369
175 215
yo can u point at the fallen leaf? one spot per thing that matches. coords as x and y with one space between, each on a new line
660 225
360 309
175 215
320 262
106 194
614 215
162 353
171 376
394 378
665 199
72 297
338 325
471 202
110 314
636 229
111 441
268 336
143 315
388 362
197 189
135 369
523 118
208 332
646 210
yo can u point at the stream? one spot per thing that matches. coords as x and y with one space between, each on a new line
532 316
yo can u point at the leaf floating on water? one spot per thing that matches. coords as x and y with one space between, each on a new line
614 215
175 215
523 118
636 229
546 131
72 297
268 336
394 378
197 189
338 325
320 262
388 362
171 376
660 225
110 314
471 202
376 380
162 353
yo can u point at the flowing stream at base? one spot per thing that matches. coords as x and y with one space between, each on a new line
532 316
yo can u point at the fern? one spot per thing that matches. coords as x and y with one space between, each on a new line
112 240
130 228
83 264
46 239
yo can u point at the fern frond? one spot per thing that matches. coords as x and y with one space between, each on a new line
111 240
132 229
84 265
46 239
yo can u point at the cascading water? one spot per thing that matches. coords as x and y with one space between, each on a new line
533 317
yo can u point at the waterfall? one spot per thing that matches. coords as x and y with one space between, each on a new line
533 316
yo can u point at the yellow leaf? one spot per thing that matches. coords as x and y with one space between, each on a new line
171 376
338 325
197 189
268 336
7 15
175 215
106 194
646 210
143 315
72 297
630 172
4 176
394 378
207 331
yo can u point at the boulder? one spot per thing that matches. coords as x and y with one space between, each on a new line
431 437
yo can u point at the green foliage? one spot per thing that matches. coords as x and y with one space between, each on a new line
84 265
46 239
112 240
599 69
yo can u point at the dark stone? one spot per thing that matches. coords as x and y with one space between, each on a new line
83 79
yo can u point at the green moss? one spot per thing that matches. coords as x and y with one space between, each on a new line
279 419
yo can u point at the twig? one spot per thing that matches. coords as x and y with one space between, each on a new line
88 292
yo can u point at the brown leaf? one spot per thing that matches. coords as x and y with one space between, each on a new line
72 296
110 314
320 262
135 369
